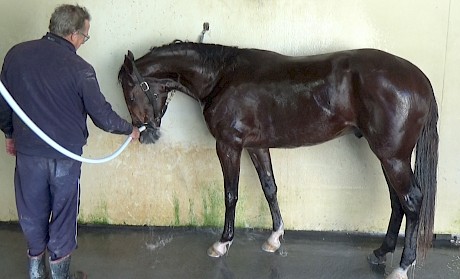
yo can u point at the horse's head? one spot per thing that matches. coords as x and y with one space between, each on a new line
186 67
147 98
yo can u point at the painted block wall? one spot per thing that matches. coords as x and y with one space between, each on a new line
335 186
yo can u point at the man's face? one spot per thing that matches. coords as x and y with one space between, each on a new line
80 37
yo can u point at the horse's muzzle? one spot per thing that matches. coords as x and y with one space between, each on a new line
150 135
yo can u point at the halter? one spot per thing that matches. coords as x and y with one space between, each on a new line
152 96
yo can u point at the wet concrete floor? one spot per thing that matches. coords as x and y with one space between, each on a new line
151 252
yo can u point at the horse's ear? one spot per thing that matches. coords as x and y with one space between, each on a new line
128 64
130 55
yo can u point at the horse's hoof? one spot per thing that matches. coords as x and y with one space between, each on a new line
398 273
219 249
271 247
273 242
374 260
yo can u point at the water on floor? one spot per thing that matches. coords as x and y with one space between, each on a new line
145 252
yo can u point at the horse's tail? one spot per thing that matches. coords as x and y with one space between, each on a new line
426 161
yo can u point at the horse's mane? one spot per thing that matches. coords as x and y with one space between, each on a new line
211 55
176 41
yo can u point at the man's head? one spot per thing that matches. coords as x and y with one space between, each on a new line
72 23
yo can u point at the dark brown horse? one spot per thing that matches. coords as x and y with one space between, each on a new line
257 100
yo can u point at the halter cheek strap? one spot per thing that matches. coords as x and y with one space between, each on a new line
144 85
152 96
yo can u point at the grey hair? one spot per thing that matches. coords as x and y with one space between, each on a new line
67 19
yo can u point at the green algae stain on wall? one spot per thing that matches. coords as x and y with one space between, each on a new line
183 218
264 219
98 216
176 211
213 206
192 221
209 210
252 210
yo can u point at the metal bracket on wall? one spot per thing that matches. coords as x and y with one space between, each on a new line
205 29
455 239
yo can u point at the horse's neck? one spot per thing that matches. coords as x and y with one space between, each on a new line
194 78
196 82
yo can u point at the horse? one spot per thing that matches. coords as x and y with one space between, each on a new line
256 99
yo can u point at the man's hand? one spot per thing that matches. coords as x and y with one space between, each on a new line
135 133
10 149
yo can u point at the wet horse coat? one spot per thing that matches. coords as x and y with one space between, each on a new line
256 100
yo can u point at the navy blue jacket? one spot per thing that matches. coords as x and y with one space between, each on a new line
57 89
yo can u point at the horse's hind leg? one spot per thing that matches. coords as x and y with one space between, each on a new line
262 162
402 179
391 238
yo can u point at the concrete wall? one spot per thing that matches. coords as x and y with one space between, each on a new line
334 186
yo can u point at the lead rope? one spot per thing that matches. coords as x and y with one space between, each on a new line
19 112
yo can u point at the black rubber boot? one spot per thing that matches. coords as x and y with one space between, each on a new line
60 270
37 268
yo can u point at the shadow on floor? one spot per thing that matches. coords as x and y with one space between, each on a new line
152 252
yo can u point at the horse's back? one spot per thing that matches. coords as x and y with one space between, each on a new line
274 100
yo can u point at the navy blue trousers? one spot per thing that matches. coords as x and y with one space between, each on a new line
47 199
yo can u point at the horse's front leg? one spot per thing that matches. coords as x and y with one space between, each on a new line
263 164
229 157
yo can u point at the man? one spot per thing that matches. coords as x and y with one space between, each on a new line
57 89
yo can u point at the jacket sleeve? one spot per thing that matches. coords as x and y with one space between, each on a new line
98 109
6 114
